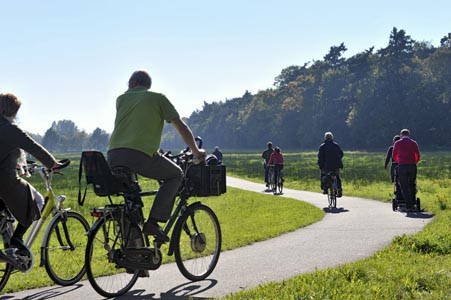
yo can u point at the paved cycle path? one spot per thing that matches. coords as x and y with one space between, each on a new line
355 230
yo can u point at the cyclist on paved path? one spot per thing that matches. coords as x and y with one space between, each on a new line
19 196
276 160
407 154
266 155
135 141
330 160
389 157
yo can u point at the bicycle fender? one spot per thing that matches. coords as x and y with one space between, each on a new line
55 218
178 227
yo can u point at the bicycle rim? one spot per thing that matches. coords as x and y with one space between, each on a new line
198 242
64 249
105 276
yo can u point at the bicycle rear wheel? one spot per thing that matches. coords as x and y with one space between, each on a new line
197 242
272 183
104 243
64 245
280 184
7 230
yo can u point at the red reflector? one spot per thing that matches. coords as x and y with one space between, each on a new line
97 214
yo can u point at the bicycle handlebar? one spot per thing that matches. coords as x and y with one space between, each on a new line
186 153
31 166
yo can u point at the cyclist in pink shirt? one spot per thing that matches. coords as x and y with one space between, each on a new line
407 154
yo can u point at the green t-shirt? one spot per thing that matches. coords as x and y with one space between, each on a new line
140 116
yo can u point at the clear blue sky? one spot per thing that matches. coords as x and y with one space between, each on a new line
71 59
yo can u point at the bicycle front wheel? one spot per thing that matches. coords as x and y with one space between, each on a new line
5 268
5 272
64 247
197 242
106 242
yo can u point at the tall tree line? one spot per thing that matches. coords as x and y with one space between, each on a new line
64 136
364 100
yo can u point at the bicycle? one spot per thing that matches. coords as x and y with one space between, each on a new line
276 187
63 242
332 188
271 181
116 244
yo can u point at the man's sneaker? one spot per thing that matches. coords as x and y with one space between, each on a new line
153 229
339 193
21 259
18 243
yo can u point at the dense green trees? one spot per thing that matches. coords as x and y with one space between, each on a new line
364 99
64 136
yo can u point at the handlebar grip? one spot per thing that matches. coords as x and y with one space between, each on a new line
65 162
199 140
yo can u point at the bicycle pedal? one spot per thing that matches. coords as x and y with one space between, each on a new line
20 259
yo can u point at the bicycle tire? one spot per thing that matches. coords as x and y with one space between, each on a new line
272 183
5 272
280 184
64 245
5 268
105 276
197 242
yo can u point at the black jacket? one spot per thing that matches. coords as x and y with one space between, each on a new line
330 156
15 192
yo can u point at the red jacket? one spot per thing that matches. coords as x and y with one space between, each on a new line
276 158
406 151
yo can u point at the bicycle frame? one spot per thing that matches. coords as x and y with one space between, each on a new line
52 207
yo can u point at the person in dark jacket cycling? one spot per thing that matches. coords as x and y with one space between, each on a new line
330 160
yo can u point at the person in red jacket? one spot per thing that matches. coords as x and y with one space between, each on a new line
276 160
407 154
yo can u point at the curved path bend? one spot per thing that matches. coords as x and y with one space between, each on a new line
355 230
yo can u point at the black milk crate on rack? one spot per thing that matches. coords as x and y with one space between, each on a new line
205 180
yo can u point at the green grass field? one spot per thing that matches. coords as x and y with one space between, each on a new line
412 267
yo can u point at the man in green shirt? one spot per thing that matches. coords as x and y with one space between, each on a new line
134 143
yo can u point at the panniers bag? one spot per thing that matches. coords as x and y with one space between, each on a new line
206 180
98 173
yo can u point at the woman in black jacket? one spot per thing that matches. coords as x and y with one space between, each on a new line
16 193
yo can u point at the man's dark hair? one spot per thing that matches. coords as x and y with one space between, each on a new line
140 78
